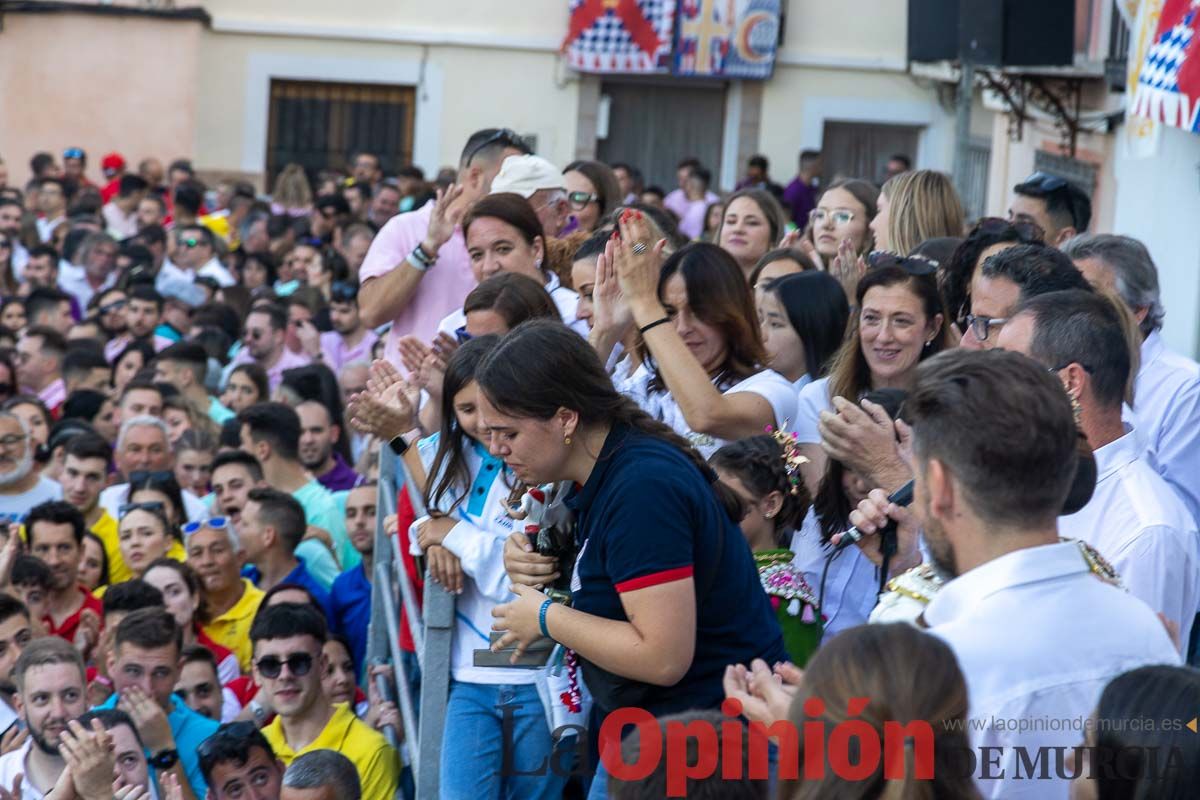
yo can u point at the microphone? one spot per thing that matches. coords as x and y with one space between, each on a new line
901 497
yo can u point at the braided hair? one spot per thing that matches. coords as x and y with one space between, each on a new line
759 463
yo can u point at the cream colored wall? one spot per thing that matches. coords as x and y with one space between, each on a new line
466 88
864 29
55 92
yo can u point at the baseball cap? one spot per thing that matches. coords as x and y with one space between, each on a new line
525 175
181 291
112 164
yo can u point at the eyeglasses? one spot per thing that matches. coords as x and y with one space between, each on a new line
1026 232
12 440
253 334
150 476
839 216
216 523
505 135
1044 182
116 305
343 292
73 152
153 506
913 265
580 200
981 325
299 664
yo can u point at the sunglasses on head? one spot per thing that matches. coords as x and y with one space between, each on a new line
1044 182
216 523
508 137
299 664
153 506
344 292
913 265
1026 232
151 476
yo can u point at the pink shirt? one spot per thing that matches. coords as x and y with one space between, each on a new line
442 289
54 396
337 355
286 361
115 347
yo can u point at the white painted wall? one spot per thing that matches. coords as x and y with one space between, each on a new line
1158 202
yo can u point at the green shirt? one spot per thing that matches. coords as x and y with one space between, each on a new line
321 510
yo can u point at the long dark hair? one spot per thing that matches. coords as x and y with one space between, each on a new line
817 309
1157 692
831 504
256 375
449 467
758 462
543 366
719 295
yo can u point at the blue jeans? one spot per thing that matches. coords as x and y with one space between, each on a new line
475 742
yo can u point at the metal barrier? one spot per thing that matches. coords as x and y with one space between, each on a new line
432 641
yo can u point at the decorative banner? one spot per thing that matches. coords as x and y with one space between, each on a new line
1168 87
727 38
1140 136
620 36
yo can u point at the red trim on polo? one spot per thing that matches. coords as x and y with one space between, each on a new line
655 579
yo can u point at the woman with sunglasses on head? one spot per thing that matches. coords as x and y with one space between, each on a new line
898 322
592 190
752 224
705 374
144 535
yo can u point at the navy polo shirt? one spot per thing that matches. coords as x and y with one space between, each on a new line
647 516
299 576
351 606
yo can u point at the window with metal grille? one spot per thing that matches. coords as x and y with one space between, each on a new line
321 125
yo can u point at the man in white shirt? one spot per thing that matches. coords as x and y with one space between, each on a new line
120 213
1037 633
21 486
52 205
94 270
1166 394
194 257
143 449
51 692
1135 519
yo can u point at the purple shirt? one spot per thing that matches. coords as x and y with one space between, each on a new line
286 361
442 289
690 212
799 199
337 355
341 478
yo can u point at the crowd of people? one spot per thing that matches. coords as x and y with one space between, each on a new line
791 446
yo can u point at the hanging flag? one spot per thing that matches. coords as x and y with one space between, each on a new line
620 36
727 38
1168 87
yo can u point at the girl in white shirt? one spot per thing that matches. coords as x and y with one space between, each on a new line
803 320
467 494
705 373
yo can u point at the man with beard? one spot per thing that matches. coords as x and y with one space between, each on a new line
21 487
16 632
350 340
144 667
263 343
288 665
1037 632
318 438
50 681
235 474
55 535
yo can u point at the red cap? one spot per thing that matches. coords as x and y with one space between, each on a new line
113 162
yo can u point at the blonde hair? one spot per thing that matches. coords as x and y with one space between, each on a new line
923 205
292 189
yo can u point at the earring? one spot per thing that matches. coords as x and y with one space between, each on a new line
567 441
770 516
1076 409
929 343
537 262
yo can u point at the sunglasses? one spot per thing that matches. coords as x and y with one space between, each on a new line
152 476
299 664
114 306
580 200
1044 181
913 265
508 137
1026 232
190 242
216 523
344 292
153 506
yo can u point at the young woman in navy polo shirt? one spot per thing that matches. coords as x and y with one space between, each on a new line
665 591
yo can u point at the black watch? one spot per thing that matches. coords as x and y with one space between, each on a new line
165 759
399 445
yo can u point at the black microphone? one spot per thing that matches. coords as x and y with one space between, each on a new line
901 497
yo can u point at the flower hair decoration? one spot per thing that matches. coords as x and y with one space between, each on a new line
792 459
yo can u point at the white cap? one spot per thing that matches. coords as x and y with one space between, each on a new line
525 175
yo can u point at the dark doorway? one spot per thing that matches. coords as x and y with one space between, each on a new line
862 149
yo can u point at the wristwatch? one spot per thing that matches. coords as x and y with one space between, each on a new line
165 759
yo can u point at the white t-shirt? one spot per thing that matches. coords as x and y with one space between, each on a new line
768 384
851 584
13 764
15 507
814 398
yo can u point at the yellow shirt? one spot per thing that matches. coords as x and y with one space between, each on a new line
232 629
377 763
106 529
